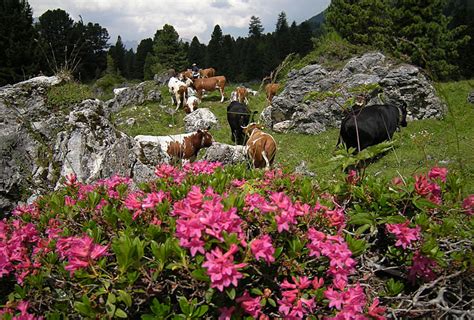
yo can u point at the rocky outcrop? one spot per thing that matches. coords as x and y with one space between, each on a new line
470 97
39 145
225 153
290 111
133 95
201 118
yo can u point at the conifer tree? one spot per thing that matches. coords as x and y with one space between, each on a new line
168 49
282 36
255 27
197 52
118 54
18 47
145 47
215 50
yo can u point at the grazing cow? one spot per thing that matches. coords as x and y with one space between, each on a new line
370 125
242 94
191 104
209 84
238 116
188 74
177 90
271 90
179 147
261 147
207 73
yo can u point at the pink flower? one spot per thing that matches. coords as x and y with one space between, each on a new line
80 252
221 268
468 205
71 180
263 248
152 199
238 183
249 304
438 172
336 298
375 311
352 177
69 202
429 190
404 234
422 267
226 313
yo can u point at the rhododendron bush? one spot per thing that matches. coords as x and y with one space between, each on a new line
204 241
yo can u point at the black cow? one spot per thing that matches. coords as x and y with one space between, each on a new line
238 116
370 125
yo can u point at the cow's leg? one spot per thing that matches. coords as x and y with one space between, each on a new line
222 94
267 162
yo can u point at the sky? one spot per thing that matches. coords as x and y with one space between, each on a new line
135 20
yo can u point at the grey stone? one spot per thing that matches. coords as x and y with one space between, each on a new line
201 118
225 153
134 95
398 83
470 97
302 169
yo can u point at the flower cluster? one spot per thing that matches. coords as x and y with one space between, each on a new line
22 307
293 304
221 268
341 265
20 246
138 201
468 205
422 267
427 187
79 251
404 234
165 171
202 215
350 302
262 248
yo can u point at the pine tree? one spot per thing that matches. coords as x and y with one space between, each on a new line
255 27
215 50
145 47
282 36
197 52
422 32
118 54
304 42
168 49
18 55
365 22
129 61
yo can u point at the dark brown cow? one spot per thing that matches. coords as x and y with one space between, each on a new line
271 90
207 73
261 147
209 84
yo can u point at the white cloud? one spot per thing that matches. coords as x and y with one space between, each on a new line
139 19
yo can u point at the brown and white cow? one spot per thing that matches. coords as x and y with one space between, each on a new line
209 84
207 73
191 104
183 75
242 94
175 148
271 90
261 147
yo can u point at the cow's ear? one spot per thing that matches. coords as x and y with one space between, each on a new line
208 128
198 131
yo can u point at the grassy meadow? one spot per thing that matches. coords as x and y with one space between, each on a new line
423 144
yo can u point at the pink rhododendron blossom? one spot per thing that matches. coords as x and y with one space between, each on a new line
263 248
438 173
404 234
249 304
341 264
71 180
30 209
352 300
468 205
422 267
201 167
152 199
375 311
428 190
253 201
80 252
238 183
226 313
397 181
221 268
352 177
294 304
69 201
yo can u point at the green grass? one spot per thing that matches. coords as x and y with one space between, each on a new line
423 144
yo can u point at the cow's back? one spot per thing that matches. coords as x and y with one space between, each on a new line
238 116
260 144
369 125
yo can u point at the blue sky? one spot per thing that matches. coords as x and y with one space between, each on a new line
139 19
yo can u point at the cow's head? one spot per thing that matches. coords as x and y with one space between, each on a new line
251 127
189 82
205 138
403 119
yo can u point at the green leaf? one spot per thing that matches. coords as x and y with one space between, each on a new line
200 274
120 313
184 305
200 311
125 298
230 293
362 219
272 302
256 291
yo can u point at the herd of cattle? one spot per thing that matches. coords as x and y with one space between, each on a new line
361 127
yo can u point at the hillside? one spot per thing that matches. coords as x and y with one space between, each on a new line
316 22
